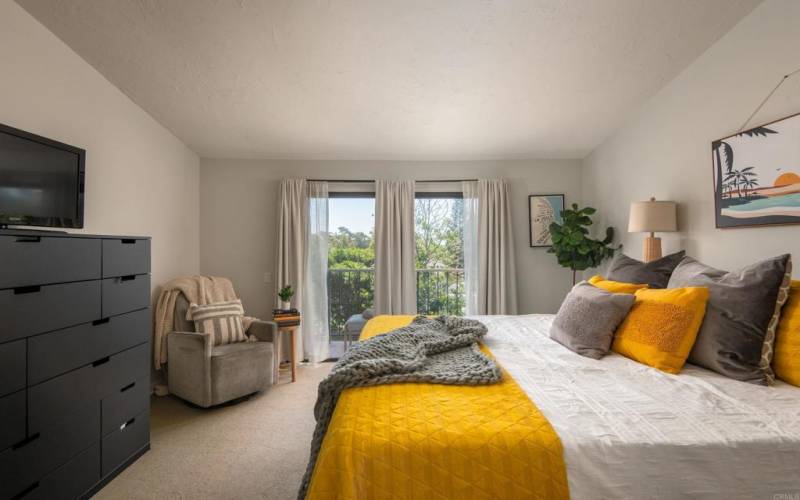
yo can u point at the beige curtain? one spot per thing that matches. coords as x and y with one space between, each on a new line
292 248
395 274
470 213
490 281
316 338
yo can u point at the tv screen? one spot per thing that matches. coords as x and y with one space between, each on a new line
41 181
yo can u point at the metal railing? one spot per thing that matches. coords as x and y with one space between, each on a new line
350 291
440 291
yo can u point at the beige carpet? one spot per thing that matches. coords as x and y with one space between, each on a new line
254 449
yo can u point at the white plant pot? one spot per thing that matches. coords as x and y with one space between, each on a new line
285 305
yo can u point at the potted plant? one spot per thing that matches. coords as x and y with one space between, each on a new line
285 294
572 245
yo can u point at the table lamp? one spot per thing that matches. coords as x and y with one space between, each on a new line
651 217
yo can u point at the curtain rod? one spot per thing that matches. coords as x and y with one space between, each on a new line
373 180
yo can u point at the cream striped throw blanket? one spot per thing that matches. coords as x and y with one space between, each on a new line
221 320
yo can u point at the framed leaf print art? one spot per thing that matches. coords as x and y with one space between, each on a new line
543 210
757 175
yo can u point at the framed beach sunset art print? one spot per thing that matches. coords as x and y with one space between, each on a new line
757 175
543 210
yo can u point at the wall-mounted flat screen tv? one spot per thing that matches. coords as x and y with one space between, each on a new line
41 181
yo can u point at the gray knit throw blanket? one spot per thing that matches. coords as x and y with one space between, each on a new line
442 350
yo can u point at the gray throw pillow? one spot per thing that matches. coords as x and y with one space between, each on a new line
655 273
588 318
733 338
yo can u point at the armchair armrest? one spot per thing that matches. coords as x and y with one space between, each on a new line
189 366
264 331
197 343
267 331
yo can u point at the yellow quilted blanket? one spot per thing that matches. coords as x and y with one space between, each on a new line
428 441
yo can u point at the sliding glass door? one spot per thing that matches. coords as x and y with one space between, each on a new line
439 235
439 239
351 257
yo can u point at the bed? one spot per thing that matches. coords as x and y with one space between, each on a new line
561 426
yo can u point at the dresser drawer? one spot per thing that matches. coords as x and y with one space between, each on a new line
12 366
40 260
125 441
71 480
12 419
125 256
125 403
41 309
58 352
72 392
125 294
46 450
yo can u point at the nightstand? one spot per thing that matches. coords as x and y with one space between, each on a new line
291 331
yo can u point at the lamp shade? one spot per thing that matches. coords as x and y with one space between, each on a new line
652 216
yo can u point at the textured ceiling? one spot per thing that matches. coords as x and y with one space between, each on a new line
391 79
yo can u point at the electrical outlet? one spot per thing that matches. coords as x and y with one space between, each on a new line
267 277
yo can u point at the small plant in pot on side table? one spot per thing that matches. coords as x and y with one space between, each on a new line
285 294
573 247
288 320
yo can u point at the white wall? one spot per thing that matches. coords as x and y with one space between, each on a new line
665 150
238 214
140 179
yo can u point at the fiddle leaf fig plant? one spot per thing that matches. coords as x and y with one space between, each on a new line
572 245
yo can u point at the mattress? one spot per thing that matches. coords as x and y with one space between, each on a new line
630 431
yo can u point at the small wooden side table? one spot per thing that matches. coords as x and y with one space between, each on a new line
291 330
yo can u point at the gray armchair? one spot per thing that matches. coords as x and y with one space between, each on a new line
208 375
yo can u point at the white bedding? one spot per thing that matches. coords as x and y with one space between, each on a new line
630 431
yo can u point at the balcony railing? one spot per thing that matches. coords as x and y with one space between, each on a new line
350 291
440 291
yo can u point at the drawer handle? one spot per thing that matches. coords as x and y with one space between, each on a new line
28 440
129 386
128 241
130 277
29 239
27 289
101 361
101 321
25 492
126 424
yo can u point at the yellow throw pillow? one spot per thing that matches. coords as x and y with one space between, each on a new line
615 286
661 327
786 361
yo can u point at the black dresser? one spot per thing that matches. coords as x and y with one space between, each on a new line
74 361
